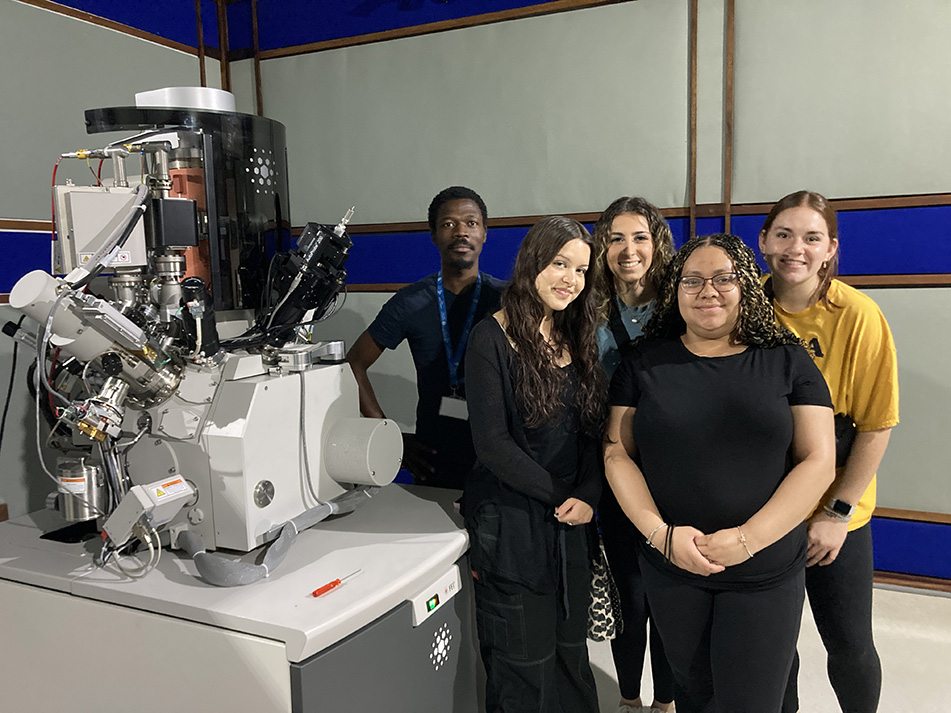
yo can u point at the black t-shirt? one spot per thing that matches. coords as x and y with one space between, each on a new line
714 437
413 314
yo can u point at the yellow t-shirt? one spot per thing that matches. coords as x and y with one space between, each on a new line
853 348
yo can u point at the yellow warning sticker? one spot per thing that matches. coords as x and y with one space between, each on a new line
170 487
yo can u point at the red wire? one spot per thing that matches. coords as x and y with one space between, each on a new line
53 201
99 172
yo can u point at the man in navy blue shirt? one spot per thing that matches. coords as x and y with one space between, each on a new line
436 315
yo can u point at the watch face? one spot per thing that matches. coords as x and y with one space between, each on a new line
842 507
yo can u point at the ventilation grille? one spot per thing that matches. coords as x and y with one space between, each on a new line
441 647
262 172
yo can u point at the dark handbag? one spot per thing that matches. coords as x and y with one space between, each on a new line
604 611
844 438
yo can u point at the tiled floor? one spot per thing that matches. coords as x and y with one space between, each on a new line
913 636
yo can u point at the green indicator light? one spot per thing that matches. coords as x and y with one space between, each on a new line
432 603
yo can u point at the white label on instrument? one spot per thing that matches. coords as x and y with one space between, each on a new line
120 257
72 485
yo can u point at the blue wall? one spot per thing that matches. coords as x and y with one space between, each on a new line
286 23
894 241
909 547
22 252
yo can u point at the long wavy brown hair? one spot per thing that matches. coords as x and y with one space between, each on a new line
820 205
756 325
661 237
538 380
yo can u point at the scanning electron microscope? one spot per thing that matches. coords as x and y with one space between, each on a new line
222 520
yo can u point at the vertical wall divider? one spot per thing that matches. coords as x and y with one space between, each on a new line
201 44
223 44
728 116
692 170
258 89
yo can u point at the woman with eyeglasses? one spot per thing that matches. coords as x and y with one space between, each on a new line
719 442
634 245
536 409
853 348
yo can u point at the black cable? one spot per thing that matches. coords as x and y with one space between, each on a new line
13 373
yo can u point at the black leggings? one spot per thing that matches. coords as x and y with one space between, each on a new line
840 596
628 648
730 650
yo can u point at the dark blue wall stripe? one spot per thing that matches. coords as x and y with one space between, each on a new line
240 34
286 23
909 547
386 258
894 241
887 241
22 252
172 19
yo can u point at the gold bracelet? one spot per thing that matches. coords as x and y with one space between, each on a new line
743 542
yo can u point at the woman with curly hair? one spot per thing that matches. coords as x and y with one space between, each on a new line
536 409
718 443
853 348
634 245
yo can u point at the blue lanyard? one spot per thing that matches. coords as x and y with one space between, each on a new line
455 357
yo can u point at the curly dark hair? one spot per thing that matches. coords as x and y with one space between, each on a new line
756 325
820 204
662 238
454 193
539 381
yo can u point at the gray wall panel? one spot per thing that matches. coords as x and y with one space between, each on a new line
914 472
848 98
711 46
553 114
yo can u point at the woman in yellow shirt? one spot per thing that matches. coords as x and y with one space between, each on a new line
853 348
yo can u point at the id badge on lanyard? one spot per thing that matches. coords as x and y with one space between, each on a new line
455 406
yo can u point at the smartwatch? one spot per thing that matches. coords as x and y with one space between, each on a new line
840 507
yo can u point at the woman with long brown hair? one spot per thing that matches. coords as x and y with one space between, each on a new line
634 246
536 409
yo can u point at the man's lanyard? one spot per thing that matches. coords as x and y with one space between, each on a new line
455 358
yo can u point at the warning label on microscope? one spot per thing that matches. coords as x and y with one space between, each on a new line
169 488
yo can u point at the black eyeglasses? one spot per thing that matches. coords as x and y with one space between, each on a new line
724 282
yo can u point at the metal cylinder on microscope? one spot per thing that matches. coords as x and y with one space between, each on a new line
82 488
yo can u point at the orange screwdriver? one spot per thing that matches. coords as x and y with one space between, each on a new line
332 585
